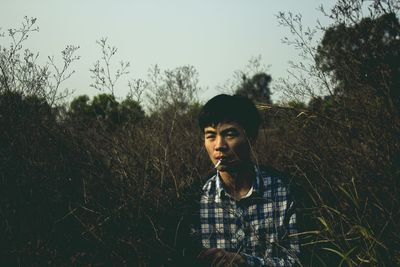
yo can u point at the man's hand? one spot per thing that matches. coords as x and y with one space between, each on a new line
217 257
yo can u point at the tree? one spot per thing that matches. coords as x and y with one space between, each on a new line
105 107
357 29
174 89
20 72
256 88
80 106
344 147
103 76
364 57
106 110
251 81
130 111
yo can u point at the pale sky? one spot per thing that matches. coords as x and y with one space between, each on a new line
217 37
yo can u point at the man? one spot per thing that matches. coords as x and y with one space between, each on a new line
246 214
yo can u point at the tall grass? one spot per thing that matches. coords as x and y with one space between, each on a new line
346 176
78 195
90 191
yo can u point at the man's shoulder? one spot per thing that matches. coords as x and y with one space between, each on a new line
280 183
274 178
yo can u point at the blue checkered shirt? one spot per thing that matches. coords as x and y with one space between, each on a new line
262 226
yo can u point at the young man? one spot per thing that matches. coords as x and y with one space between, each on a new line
246 214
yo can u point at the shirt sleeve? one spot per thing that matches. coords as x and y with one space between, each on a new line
289 248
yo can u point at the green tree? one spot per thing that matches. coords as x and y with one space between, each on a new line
364 57
130 111
344 148
256 88
80 106
105 109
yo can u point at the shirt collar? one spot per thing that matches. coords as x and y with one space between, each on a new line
255 188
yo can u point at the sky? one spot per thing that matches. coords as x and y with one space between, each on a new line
217 37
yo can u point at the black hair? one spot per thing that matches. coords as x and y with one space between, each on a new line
231 108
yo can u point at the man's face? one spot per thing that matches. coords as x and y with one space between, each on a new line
229 142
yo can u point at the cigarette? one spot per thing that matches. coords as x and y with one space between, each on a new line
218 163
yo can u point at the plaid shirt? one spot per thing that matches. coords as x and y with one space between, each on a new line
262 226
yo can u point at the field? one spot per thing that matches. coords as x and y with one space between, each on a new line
109 182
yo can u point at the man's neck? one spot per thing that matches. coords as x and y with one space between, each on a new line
239 182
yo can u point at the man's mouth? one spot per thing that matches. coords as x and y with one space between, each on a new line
224 161
221 161
218 163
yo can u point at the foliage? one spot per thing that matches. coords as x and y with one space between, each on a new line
344 147
102 74
244 78
104 110
173 88
106 184
41 182
256 88
345 182
368 56
304 79
19 71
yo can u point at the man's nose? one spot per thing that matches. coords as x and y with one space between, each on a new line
220 143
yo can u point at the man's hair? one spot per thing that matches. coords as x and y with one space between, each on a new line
228 108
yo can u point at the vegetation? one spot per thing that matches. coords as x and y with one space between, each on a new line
101 182
256 88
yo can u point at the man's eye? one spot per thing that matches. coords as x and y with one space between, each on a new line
210 136
231 134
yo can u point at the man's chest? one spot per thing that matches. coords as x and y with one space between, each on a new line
250 226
